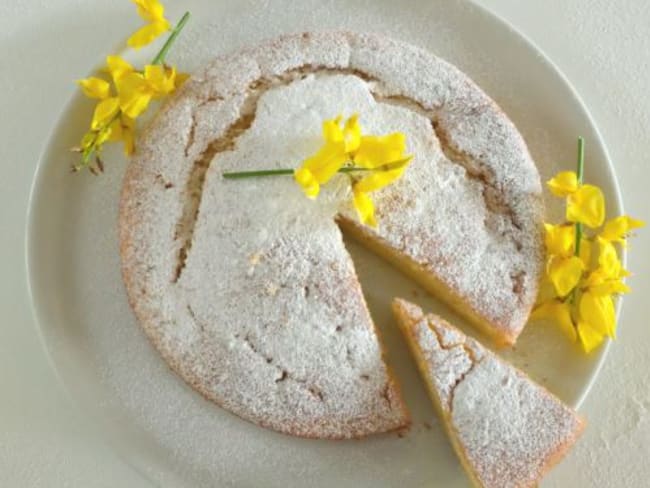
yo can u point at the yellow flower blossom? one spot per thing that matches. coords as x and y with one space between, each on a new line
586 205
563 184
364 207
382 156
306 179
606 279
373 182
564 273
118 67
153 12
589 337
558 311
560 239
104 113
598 311
617 229
375 151
94 87
136 90
578 287
337 150
122 129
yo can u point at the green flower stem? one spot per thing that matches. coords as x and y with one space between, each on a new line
580 174
278 172
400 163
160 57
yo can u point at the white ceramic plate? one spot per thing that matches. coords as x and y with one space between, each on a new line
161 426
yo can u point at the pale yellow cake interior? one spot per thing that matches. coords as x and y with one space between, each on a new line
426 279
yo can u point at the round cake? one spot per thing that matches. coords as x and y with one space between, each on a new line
245 286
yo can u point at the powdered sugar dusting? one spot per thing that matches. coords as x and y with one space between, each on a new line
510 429
267 317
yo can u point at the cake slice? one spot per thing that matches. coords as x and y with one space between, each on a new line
507 430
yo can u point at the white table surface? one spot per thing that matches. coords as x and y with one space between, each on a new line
602 46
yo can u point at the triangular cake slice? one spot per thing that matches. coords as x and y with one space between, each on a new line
507 430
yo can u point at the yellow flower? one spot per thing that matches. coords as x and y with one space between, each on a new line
598 311
606 279
365 208
560 239
118 67
122 129
153 12
560 313
586 205
306 179
135 90
563 184
382 156
564 273
340 142
104 113
373 182
375 151
94 87
617 229
590 338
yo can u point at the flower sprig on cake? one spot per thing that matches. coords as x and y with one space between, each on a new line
584 273
128 92
371 162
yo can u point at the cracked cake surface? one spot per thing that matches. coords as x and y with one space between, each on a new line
507 430
245 286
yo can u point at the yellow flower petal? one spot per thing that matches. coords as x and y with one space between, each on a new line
134 94
122 130
560 239
332 130
365 208
306 180
150 10
598 312
352 134
104 112
558 312
564 273
161 79
609 287
327 161
586 205
563 184
147 34
617 229
379 179
590 338
95 87
376 151
117 67
608 259
128 139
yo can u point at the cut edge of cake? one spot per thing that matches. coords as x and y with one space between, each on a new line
457 366
498 332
